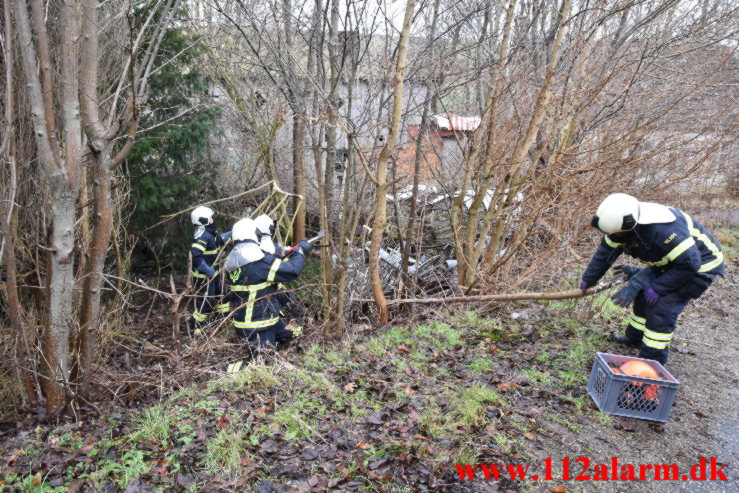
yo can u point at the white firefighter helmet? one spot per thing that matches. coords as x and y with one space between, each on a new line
201 215
265 225
244 230
617 213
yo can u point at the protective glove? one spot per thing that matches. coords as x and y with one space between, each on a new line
207 270
651 295
621 301
627 270
226 236
583 286
304 247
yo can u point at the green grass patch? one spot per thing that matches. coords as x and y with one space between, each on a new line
538 376
133 463
224 452
576 427
153 425
298 418
467 409
478 366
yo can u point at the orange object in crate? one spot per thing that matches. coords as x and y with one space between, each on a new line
641 369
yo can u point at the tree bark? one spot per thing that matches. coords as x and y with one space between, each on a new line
380 219
422 133
298 232
63 177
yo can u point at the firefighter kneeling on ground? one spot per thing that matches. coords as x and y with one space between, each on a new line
254 277
207 282
682 258
291 307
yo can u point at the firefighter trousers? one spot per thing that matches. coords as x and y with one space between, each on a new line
653 326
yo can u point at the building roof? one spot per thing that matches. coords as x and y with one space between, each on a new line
450 121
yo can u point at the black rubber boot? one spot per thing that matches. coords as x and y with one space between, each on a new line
625 340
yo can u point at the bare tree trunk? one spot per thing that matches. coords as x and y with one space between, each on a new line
380 219
327 281
298 232
7 222
102 227
422 133
63 176
468 266
296 104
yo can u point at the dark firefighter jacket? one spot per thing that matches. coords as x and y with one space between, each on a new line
679 253
256 286
204 250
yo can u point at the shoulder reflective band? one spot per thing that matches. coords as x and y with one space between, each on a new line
198 246
612 243
273 270
695 232
674 253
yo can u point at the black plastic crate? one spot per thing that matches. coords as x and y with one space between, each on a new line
635 397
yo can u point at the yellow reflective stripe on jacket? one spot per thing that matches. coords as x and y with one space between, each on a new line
674 253
612 243
223 307
712 247
199 275
198 246
212 252
250 287
680 248
200 317
250 306
713 263
258 324
273 270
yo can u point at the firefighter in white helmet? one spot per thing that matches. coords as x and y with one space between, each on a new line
265 231
681 255
254 277
207 282
290 306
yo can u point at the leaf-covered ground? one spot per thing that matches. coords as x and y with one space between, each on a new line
398 409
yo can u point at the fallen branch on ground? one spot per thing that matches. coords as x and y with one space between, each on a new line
559 295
